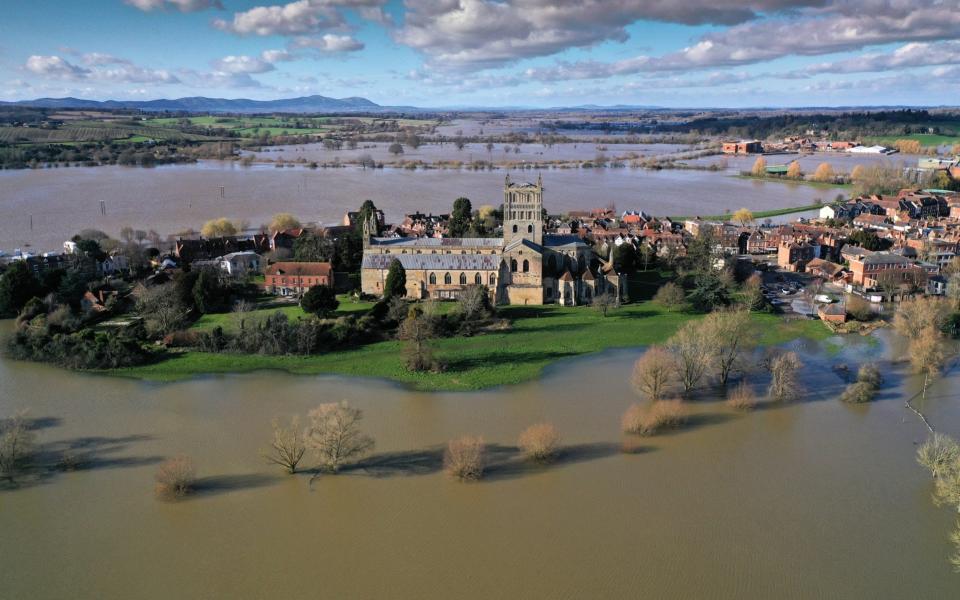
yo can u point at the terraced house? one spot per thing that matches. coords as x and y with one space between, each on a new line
524 266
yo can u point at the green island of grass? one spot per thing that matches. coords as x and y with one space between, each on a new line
538 337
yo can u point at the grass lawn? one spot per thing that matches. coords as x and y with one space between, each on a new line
539 336
268 307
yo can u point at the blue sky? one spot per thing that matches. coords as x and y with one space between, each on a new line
489 52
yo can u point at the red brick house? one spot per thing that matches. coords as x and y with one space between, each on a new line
295 278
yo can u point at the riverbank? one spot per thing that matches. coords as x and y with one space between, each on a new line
539 336
762 214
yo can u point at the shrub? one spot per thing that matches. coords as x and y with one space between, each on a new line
175 478
661 415
870 375
319 300
653 372
540 442
859 309
742 397
858 393
465 458
670 295
939 454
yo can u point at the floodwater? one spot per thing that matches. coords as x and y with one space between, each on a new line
173 198
810 500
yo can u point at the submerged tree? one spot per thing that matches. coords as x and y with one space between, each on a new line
465 458
16 444
729 335
653 373
287 446
334 434
175 478
540 442
784 385
691 352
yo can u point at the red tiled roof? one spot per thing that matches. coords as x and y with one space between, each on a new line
305 269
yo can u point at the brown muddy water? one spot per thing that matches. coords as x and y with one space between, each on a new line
173 198
810 500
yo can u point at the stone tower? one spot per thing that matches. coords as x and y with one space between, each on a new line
369 230
523 211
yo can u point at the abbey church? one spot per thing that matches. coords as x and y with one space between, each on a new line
524 266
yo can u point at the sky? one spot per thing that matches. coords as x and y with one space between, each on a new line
472 53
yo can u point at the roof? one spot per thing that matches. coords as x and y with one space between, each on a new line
554 240
885 258
434 262
439 242
301 269
524 242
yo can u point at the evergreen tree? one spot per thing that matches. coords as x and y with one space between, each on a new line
17 287
319 300
460 217
396 284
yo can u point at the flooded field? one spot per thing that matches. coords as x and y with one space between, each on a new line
810 500
173 198
499 154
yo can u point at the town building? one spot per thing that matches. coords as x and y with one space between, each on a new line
523 266
295 278
743 147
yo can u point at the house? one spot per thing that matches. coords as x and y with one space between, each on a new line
826 270
794 256
867 270
743 147
240 264
295 278
832 313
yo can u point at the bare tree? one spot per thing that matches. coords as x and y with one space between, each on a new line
939 454
465 458
417 331
16 444
240 313
334 434
653 373
919 314
784 385
660 415
729 334
927 354
175 478
692 354
287 446
540 442
605 301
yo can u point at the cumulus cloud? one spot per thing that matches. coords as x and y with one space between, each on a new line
181 5
102 67
297 18
243 64
331 43
54 67
489 33
275 56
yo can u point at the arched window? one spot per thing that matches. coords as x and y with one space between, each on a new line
433 279
514 228
447 279
493 279
526 266
463 279
513 265
478 279
529 228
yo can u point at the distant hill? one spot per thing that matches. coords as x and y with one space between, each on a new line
305 104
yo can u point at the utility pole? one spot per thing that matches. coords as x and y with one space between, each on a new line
103 208
222 192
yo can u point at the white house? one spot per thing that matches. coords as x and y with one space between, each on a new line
240 264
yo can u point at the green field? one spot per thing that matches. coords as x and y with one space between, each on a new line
762 214
94 131
539 336
925 139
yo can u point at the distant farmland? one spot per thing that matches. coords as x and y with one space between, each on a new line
93 131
